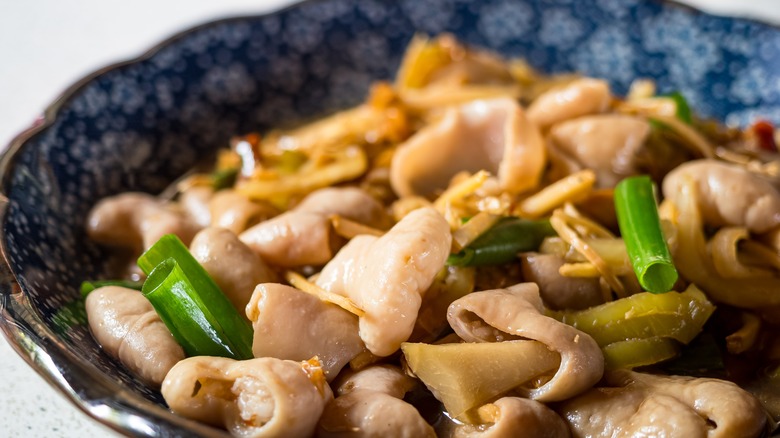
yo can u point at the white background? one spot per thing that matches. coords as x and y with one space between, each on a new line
45 45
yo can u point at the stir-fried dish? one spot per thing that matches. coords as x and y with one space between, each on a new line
476 250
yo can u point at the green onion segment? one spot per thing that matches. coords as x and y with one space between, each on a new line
89 286
637 214
501 243
224 179
683 109
191 305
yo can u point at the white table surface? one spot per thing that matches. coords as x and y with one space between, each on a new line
45 45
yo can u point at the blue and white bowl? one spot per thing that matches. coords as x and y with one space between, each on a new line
140 124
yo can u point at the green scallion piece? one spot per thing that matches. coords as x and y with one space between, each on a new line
224 179
170 246
637 214
683 109
191 305
89 286
185 314
501 243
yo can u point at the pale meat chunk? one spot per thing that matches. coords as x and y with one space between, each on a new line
578 98
492 135
350 202
256 398
557 291
518 313
137 221
636 404
387 379
505 417
728 194
232 265
606 144
370 405
304 236
236 212
195 201
126 325
386 276
293 239
291 324
364 413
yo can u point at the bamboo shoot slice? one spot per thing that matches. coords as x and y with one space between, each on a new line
466 375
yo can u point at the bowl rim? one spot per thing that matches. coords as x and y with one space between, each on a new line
105 400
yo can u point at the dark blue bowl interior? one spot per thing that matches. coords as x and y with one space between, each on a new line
139 125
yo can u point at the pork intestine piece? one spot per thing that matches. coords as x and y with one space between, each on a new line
292 239
517 313
492 135
233 266
728 194
606 144
224 208
126 325
137 221
387 379
364 413
369 404
195 202
350 202
505 417
577 98
264 397
303 235
292 324
387 276
236 212
672 406
557 291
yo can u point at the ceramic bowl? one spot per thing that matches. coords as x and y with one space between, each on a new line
139 124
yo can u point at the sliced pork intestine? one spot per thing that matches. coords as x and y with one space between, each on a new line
631 404
577 98
387 276
128 328
231 264
236 212
264 397
138 221
508 415
370 404
557 291
492 135
304 236
605 143
516 313
292 324
728 194
387 379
